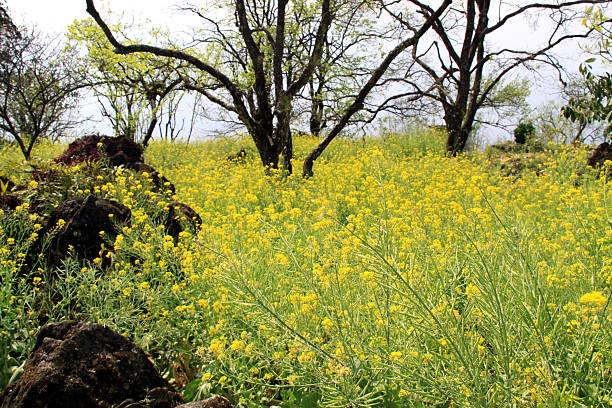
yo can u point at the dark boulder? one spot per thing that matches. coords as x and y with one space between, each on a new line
159 182
118 150
9 202
178 217
239 157
76 365
600 155
48 176
212 402
84 219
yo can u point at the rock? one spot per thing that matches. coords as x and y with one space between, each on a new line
515 164
239 157
84 148
84 219
159 181
600 155
9 202
118 150
212 402
76 365
46 176
178 214
506 147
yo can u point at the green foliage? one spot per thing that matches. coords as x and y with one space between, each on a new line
133 90
409 139
19 287
553 127
524 132
525 161
596 104
508 98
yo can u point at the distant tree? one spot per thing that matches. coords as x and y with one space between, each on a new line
5 19
7 28
38 90
596 104
132 90
462 70
523 132
552 125
263 97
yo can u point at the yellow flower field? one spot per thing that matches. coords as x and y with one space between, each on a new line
394 277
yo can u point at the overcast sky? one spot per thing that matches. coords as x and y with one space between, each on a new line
56 15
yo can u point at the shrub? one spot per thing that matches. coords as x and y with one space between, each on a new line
523 132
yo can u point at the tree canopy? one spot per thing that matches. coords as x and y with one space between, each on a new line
464 71
131 89
263 101
595 105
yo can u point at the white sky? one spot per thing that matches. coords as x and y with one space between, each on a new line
55 15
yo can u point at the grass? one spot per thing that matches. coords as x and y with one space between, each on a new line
394 277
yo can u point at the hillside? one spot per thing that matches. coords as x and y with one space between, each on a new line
394 277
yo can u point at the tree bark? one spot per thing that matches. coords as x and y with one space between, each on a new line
316 117
457 128
150 130
268 152
456 140
288 153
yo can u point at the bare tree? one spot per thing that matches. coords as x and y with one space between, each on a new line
132 90
417 30
461 70
38 90
169 126
352 49
265 105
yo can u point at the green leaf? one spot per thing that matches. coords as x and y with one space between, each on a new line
310 400
192 389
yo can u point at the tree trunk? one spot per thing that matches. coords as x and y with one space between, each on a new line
316 122
316 115
130 129
288 153
457 130
150 130
456 140
24 150
282 133
269 158
268 152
